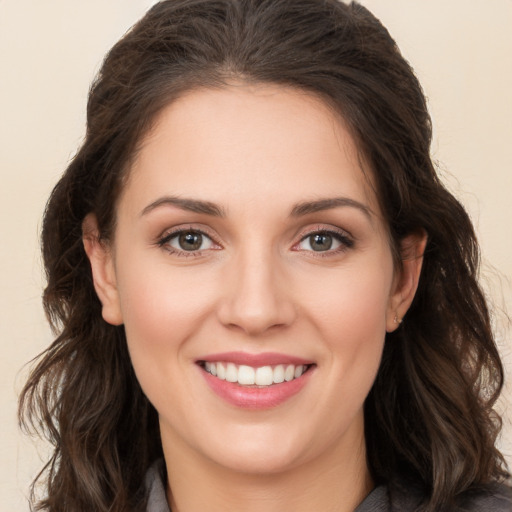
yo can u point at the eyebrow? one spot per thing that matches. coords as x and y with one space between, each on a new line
307 207
298 210
191 205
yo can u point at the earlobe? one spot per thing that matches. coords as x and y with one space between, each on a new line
412 249
103 271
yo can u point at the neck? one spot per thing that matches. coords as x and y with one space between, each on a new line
336 481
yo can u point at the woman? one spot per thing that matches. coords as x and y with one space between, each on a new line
264 296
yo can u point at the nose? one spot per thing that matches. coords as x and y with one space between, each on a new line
256 294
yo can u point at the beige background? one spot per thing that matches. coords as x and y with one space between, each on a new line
49 52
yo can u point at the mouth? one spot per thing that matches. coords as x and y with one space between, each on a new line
249 381
258 377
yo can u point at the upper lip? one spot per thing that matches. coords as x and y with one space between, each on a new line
255 360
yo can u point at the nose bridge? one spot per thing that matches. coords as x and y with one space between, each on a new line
255 297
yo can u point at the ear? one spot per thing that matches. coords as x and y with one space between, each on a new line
103 271
412 248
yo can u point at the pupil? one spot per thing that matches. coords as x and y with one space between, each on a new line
190 241
321 242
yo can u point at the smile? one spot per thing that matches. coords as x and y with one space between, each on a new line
262 376
255 381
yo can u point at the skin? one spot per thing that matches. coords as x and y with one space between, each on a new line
256 285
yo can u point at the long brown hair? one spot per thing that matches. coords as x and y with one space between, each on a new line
429 414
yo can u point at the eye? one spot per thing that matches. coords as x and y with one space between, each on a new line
187 241
324 241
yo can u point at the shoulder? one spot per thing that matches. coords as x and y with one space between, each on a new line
155 488
376 501
491 498
495 498
407 497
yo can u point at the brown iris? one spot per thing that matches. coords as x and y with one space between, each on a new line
190 241
320 242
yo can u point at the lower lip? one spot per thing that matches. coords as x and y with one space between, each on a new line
253 397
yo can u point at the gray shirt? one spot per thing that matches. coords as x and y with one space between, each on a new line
377 501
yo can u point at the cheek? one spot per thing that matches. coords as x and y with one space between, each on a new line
350 313
158 301
162 310
352 303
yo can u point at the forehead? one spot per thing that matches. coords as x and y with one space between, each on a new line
259 141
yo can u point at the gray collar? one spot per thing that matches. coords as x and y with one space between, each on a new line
157 501
376 501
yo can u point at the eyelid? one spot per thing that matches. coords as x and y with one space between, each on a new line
341 235
324 228
168 234
344 237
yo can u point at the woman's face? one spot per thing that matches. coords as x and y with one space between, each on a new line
252 270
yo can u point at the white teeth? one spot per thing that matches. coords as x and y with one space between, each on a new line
231 373
289 373
278 374
249 376
264 376
246 375
221 370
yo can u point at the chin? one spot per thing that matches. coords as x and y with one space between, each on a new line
254 461
261 450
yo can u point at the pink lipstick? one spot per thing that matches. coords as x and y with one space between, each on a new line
255 381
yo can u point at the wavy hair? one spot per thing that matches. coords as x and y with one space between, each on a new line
430 412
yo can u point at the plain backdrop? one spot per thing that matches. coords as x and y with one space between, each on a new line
49 53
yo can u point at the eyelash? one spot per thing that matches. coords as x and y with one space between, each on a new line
346 241
165 239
